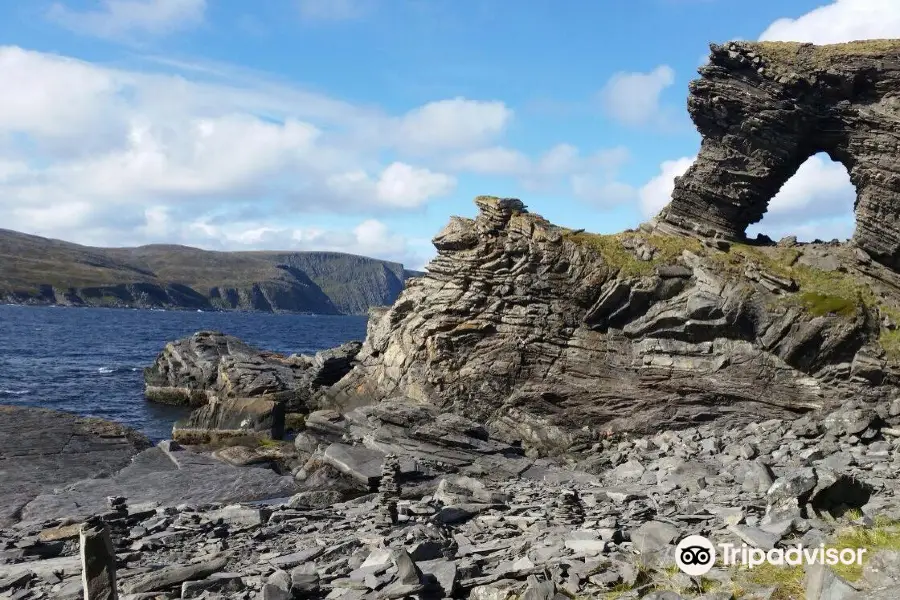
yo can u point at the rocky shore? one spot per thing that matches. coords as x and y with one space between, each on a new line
412 504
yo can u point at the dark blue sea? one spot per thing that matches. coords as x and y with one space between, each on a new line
89 360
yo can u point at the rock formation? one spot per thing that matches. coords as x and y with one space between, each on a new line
44 449
764 108
211 365
553 337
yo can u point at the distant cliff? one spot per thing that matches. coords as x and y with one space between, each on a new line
36 270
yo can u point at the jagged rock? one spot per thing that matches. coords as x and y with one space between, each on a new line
209 365
763 119
98 561
546 337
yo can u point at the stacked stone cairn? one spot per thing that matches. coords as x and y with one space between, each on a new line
568 509
388 492
117 520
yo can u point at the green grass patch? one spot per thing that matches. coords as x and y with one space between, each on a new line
787 581
668 248
825 304
294 422
884 535
792 56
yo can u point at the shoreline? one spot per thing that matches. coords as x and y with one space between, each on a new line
180 309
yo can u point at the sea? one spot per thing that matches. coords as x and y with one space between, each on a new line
90 361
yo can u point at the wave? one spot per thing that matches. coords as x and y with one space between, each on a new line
9 392
111 370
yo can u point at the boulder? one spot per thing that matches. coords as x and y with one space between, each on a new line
223 419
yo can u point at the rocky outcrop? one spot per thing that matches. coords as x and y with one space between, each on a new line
227 418
239 391
553 337
210 365
44 449
764 108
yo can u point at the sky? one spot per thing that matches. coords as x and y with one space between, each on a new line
363 125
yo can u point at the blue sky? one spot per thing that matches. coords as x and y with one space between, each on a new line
362 125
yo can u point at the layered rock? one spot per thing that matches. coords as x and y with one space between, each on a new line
765 108
43 449
552 336
209 364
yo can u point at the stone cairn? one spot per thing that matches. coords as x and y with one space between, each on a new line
567 509
388 493
117 520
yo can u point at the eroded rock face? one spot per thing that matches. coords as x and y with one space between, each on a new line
211 365
552 337
764 108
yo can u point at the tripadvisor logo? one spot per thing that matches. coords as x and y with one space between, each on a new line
695 555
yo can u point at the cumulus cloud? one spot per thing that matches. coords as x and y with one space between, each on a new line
589 177
399 185
817 202
120 18
634 98
839 21
86 149
451 124
657 193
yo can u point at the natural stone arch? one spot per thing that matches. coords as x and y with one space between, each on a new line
765 108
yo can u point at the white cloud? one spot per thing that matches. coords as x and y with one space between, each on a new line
817 202
333 10
496 160
657 193
451 124
121 18
109 156
370 237
591 178
399 185
839 21
634 98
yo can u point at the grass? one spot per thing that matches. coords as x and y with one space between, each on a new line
820 304
819 292
611 247
294 422
792 56
787 581
884 535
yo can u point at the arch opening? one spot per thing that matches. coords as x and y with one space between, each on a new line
816 203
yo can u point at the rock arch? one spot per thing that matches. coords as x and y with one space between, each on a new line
764 108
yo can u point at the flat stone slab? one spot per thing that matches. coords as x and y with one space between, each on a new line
357 461
41 450
154 476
